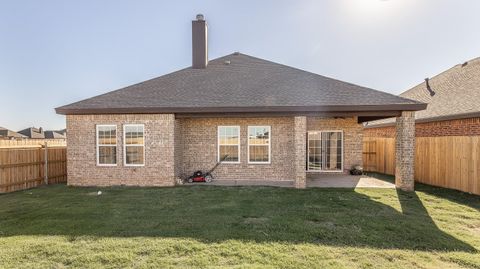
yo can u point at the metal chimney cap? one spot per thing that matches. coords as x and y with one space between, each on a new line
200 17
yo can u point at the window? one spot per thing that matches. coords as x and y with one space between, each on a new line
325 151
259 147
229 144
106 145
134 145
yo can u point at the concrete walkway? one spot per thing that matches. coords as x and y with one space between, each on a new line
313 180
247 182
346 181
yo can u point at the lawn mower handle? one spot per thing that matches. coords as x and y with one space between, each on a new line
223 159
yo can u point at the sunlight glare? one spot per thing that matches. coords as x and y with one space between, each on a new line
366 10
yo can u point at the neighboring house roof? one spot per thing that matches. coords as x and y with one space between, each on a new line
62 132
238 83
453 94
54 135
32 132
4 132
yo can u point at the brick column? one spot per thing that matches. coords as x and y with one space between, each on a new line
300 133
405 151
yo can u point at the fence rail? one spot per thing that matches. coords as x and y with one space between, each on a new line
28 167
35 143
449 161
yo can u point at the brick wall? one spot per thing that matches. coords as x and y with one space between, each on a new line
460 127
81 151
175 148
200 148
352 136
388 131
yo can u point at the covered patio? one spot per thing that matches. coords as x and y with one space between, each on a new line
308 151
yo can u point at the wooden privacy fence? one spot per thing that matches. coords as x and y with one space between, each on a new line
448 161
379 155
27 167
26 143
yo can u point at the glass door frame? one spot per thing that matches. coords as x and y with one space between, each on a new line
323 155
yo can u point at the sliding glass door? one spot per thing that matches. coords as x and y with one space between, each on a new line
325 151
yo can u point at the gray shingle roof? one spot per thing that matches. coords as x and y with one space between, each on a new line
244 84
32 132
54 135
457 94
4 132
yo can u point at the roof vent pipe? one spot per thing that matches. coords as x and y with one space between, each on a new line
427 83
199 43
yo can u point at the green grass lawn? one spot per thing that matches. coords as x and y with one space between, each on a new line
207 226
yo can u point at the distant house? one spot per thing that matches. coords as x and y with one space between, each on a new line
33 133
9 134
39 133
62 132
54 135
447 132
453 99
267 121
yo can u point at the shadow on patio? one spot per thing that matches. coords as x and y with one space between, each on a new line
377 218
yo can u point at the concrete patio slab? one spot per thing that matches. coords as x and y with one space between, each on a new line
246 182
313 180
346 181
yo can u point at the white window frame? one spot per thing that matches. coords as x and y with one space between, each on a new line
106 145
269 144
343 152
238 145
133 145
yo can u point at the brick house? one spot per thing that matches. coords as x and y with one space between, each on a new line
273 122
453 105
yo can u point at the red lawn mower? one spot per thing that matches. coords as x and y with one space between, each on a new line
199 176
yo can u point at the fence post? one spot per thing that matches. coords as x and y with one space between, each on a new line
385 156
46 163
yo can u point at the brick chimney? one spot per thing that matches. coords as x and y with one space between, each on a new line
199 43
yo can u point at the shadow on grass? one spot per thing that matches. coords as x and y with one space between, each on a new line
454 196
384 177
459 197
339 217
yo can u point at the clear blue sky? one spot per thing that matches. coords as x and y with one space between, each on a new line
56 52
